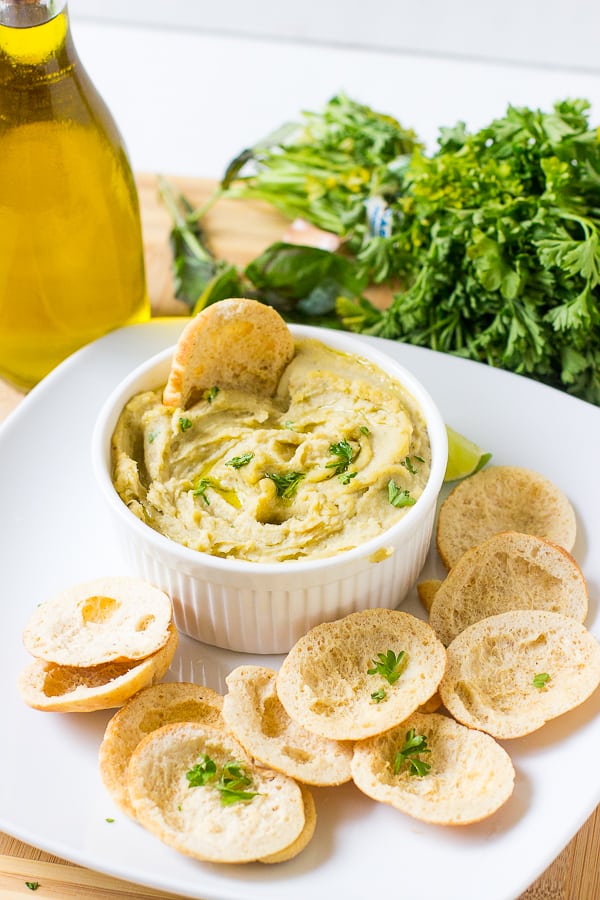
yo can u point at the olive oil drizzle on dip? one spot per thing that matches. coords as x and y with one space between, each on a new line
334 458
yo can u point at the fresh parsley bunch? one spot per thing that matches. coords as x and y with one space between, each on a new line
494 238
499 246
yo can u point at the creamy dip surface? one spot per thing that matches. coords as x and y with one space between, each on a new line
334 458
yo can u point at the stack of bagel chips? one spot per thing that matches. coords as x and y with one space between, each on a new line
96 643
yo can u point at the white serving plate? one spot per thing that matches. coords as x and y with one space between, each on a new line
55 531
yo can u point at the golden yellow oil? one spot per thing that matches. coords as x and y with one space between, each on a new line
71 253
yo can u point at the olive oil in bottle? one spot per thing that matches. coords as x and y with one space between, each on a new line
71 253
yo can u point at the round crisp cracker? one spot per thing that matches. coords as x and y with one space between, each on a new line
503 498
53 688
116 619
235 343
507 571
196 819
325 684
469 776
305 836
161 704
257 719
509 674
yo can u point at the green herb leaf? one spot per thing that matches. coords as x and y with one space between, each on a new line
343 450
211 393
541 680
346 477
233 784
389 665
202 772
201 487
379 696
399 497
286 484
414 744
236 462
184 423
32 885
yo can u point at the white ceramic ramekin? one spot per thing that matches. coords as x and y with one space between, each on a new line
259 607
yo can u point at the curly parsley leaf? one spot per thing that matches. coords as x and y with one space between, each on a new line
389 665
201 773
540 680
286 484
407 755
399 497
237 462
234 783
345 453
201 487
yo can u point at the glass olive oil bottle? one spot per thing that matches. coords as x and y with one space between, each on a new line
71 253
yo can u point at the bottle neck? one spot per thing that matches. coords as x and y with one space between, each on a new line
40 45
27 13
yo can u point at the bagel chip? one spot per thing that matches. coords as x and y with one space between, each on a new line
114 619
502 498
234 343
193 787
507 571
257 719
51 688
511 673
460 775
305 836
149 709
360 675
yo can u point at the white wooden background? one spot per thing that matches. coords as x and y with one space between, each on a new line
192 83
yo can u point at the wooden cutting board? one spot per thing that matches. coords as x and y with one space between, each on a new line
238 232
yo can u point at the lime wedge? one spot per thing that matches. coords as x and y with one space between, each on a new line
464 457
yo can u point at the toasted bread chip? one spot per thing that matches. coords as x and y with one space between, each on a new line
511 673
502 498
194 819
508 571
470 775
235 343
426 591
305 836
256 718
161 704
118 619
53 688
325 685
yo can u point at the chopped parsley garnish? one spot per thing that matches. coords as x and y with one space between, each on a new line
232 784
32 885
345 455
286 484
413 745
379 695
399 497
236 462
211 393
202 772
541 680
346 477
109 819
152 436
408 464
364 430
184 423
389 665
201 487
